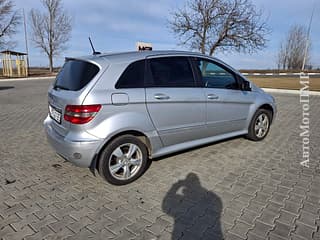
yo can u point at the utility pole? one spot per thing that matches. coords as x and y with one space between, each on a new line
26 40
307 41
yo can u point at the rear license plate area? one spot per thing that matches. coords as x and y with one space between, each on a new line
55 114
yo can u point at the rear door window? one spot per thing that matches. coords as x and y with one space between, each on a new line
75 74
170 72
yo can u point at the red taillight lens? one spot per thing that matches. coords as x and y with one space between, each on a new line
80 114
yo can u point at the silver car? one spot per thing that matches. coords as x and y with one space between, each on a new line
115 112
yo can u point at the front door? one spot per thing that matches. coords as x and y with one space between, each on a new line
227 106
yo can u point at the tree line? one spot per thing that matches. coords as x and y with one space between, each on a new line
208 26
51 28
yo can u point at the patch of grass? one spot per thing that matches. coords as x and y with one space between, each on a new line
35 72
284 82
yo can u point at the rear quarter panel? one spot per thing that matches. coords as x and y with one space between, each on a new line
114 118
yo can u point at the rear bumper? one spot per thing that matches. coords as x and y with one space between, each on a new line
80 153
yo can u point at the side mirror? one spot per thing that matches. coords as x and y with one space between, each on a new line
245 86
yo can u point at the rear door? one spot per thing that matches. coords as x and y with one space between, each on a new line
176 105
227 105
66 90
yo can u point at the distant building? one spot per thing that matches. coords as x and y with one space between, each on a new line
14 64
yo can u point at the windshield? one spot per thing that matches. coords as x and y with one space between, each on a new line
75 74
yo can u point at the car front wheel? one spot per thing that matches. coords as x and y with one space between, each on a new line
123 160
260 125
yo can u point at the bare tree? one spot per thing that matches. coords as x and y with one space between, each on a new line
9 20
52 29
292 49
209 25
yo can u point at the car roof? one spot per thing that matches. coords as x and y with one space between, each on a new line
117 57
127 57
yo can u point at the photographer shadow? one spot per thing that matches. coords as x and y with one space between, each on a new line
196 211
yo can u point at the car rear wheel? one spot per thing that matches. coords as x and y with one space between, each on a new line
260 125
123 160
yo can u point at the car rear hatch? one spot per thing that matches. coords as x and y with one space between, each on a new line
71 86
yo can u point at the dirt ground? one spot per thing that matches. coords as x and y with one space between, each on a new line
285 82
36 72
280 82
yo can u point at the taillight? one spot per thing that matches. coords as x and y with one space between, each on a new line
80 114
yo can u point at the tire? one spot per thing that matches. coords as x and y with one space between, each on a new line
260 125
115 164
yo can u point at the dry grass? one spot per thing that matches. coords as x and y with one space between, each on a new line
41 72
284 82
280 82
36 72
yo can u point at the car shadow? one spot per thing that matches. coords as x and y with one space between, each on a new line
195 210
6 87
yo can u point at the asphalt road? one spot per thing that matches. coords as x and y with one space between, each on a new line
235 189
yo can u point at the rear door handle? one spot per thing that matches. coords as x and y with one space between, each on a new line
161 96
212 96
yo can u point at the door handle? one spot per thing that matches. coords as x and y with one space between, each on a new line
161 96
212 96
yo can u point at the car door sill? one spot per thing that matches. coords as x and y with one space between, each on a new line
185 145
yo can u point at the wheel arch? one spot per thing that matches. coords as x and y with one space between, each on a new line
141 136
269 108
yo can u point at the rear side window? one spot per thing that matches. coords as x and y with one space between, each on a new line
75 74
170 72
133 76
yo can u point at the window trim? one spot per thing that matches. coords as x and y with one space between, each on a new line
149 78
199 76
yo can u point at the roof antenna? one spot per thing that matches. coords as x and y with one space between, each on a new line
93 50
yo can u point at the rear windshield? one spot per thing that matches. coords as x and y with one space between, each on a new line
75 74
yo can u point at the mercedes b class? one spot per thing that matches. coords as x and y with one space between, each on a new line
115 112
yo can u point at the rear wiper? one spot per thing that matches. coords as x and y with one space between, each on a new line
56 87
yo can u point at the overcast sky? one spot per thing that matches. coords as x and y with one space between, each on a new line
118 25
